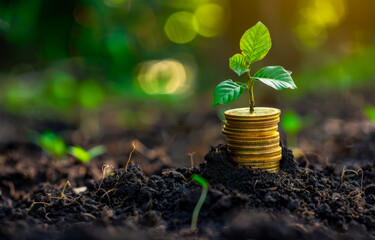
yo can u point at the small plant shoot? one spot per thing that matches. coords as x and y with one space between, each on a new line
86 156
255 44
53 144
204 183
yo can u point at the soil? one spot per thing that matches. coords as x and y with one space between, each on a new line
313 197
242 203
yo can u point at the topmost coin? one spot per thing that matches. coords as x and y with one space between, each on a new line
259 113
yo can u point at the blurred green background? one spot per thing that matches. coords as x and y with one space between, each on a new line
131 61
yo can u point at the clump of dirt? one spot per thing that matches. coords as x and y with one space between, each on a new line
221 169
293 203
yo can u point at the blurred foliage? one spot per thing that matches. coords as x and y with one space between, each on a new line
370 112
59 58
292 124
353 71
80 153
53 144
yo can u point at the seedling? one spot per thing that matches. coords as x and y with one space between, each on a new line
203 196
130 156
255 44
53 144
86 156
292 124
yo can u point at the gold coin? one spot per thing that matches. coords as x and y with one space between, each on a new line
274 170
260 153
253 139
250 130
266 120
244 134
261 147
249 124
253 143
254 159
264 165
259 113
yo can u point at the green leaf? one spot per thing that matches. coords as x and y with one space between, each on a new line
53 144
201 180
80 153
227 92
96 151
276 77
239 64
255 43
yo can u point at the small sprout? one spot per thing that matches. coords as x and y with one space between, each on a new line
204 183
86 156
63 191
370 112
53 144
97 151
130 156
356 172
255 44
292 124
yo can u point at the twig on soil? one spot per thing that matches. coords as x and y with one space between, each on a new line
106 194
356 172
35 203
191 159
89 215
62 193
307 160
62 196
298 225
130 155
104 167
168 171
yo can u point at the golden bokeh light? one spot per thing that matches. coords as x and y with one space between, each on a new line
181 27
316 18
211 19
164 77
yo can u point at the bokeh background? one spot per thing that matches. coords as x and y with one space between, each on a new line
111 71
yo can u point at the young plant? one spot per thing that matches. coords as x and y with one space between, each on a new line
86 156
53 144
255 44
204 183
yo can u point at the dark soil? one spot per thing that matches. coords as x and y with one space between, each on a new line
242 203
311 198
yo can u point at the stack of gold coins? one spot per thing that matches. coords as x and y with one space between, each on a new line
253 139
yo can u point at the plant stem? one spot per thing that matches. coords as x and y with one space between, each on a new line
251 99
197 208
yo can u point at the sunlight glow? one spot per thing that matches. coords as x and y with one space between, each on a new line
163 77
181 27
316 18
211 19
